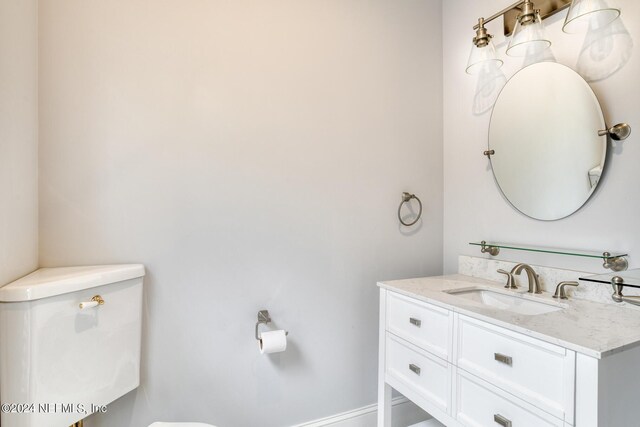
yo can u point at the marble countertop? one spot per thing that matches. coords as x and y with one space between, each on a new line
590 328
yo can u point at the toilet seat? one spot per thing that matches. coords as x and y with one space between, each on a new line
159 424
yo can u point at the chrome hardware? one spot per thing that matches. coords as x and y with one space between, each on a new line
499 419
534 283
619 132
560 292
616 264
491 250
511 282
414 368
415 322
507 360
489 153
617 283
264 318
406 197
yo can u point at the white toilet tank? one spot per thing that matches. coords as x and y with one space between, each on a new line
60 363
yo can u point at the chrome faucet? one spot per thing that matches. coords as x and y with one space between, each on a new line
534 283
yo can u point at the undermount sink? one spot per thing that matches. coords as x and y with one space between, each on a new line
506 300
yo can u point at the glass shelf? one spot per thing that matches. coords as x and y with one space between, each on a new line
578 253
631 278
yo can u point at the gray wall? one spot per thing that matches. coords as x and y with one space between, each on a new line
252 155
474 208
18 138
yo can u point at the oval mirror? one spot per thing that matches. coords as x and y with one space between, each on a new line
544 127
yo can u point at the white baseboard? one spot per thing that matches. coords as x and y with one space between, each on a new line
405 413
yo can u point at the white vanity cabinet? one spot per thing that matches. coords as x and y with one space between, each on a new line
469 372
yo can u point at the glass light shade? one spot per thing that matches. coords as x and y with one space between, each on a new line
529 39
585 15
482 57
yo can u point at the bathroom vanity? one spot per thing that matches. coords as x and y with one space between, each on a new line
472 353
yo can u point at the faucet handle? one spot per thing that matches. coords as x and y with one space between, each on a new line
560 291
511 283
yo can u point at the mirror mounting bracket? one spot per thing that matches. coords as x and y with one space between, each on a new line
619 132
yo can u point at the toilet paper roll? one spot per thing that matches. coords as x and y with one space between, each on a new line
273 342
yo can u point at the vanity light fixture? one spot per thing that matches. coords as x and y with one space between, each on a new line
585 15
483 52
523 20
528 37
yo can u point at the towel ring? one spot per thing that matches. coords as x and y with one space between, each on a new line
406 197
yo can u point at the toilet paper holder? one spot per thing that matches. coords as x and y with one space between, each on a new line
265 318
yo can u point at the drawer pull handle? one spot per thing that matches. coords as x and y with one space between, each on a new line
415 322
415 369
507 360
499 419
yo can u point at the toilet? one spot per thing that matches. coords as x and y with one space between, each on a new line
69 335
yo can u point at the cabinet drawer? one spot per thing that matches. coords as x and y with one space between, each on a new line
480 404
540 373
422 373
427 326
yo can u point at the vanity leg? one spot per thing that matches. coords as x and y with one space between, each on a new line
384 405
384 390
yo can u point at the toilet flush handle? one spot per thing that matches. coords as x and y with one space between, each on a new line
95 301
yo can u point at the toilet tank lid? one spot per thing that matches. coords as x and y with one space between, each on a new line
48 282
